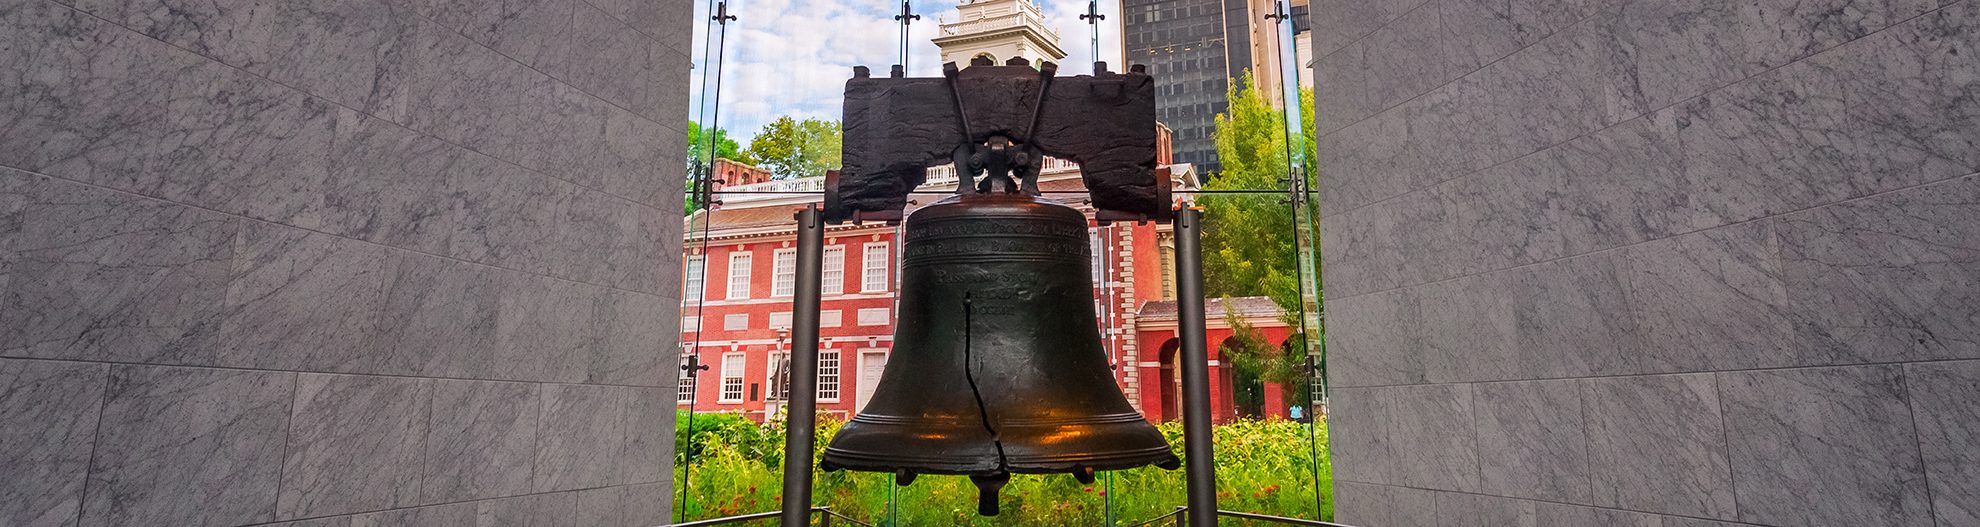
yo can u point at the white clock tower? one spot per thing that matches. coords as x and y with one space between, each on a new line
998 29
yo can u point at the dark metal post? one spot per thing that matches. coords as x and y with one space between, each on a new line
801 418
1199 469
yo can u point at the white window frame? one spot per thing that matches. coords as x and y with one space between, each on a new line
734 366
783 272
780 319
691 324
1099 248
684 390
829 374
831 318
739 263
874 316
729 322
833 279
693 278
871 265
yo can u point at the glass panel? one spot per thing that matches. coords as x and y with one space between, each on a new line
1261 263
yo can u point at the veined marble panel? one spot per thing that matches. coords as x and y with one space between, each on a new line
480 441
634 328
1825 446
1434 441
581 437
547 329
1337 23
1945 399
1658 444
304 301
355 444
391 185
513 218
48 416
1479 32
1532 442
1359 442
1571 318
1888 278
1378 340
1710 300
101 105
188 446
440 319
92 274
647 446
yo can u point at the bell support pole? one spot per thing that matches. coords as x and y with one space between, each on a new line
1199 469
801 416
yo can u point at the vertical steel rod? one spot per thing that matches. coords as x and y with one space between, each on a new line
1199 469
801 418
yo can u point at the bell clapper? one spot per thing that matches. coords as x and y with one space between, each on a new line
1083 474
903 477
987 488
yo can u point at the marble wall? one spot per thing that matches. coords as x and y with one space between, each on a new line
339 262
1652 262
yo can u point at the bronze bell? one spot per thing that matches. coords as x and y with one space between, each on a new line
997 364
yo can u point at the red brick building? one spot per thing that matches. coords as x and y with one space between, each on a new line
740 271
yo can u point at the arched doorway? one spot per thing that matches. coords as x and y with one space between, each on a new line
1246 387
1169 381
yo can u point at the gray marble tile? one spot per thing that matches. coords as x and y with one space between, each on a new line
1779 142
548 329
581 437
390 185
1911 90
599 224
1359 253
1622 185
1431 427
1470 330
1526 102
1571 317
1455 509
636 330
358 54
304 301
1478 32
1506 216
1824 446
1425 231
48 413
1392 64
1337 23
1658 444
556 510
647 505
538 33
1945 399
188 446
1709 301
1375 339
480 441
440 319
647 435
602 507
1532 442
613 62
104 106
91 274
355 444
1358 440
513 218
1888 278
473 96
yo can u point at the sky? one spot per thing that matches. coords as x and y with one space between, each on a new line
792 57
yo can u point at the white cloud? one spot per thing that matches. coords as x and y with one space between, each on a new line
792 57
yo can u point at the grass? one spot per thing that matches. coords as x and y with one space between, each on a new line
1262 466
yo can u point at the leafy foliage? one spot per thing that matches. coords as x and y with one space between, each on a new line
723 146
791 148
1262 466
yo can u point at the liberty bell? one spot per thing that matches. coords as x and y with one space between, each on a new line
997 365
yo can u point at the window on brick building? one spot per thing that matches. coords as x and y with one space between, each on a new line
735 321
783 272
833 280
684 392
691 279
828 375
875 263
831 319
732 377
780 319
738 275
873 316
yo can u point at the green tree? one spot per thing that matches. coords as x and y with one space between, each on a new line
791 148
699 146
1248 244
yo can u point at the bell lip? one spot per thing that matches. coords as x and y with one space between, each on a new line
894 463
